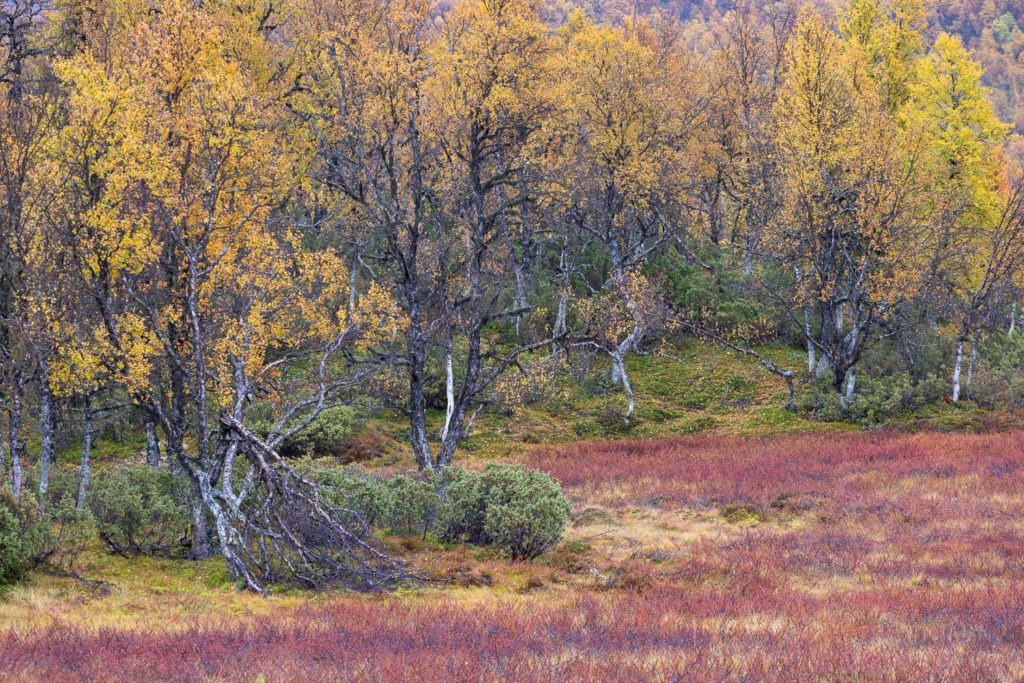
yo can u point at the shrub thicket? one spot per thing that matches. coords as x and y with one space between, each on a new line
326 435
523 512
141 510
28 537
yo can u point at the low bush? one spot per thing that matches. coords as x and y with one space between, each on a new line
411 505
998 380
876 400
400 504
67 533
462 519
325 435
141 510
353 489
17 541
521 511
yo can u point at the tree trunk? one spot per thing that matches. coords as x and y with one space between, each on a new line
46 430
957 365
418 437
14 432
621 377
83 480
811 360
522 299
152 443
971 365
201 546
851 383
449 388
353 276
1013 320
562 316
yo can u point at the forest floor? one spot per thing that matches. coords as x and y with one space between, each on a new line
759 545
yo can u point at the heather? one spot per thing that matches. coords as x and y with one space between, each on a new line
809 557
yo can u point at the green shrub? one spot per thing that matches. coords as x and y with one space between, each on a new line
24 536
722 300
462 519
354 490
998 379
521 511
876 399
325 435
141 510
15 544
411 505
68 531
526 511
401 504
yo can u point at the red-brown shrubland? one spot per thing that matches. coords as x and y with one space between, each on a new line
828 557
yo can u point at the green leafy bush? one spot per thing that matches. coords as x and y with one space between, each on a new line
521 511
400 504
354 490
67 533
26 536
999 380
722 300
412 505
325 435
141 510
462 519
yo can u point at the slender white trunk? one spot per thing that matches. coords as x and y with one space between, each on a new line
521 299
811 359
353 274
14 433
1013 320
449 388
563 313
957 365
46 429
971 364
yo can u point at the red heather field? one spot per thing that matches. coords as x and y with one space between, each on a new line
829 557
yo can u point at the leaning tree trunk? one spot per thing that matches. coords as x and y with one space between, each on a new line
280 528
